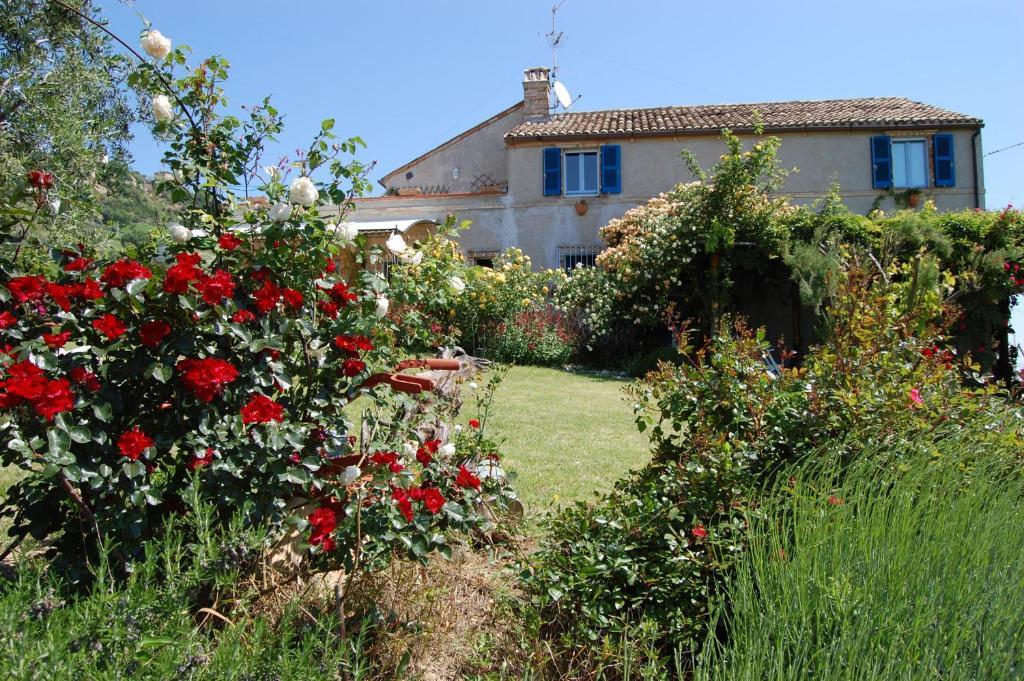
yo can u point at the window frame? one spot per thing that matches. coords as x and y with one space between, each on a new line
925 158
566 153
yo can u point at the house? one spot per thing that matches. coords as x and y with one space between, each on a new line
547 183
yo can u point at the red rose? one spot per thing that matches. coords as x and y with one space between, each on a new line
56 340
352 343
196 461
25 381
216 288
329 308
330 266
262 409
467 479
425 452
699 532
433 500
474 423
109 325
183 273
266 296
27 289
206 378
40 179
352 367
123 271
56 397
229 242
401 497
152 333
133 443
243 317
78 265
87 290
292 298
341 295
7 320
833 500
323 521
384 458
61 295
84 377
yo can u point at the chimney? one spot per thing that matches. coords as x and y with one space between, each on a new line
535 92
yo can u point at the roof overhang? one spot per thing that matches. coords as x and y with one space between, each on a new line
390 226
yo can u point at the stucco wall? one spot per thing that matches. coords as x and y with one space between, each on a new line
539 225
475 153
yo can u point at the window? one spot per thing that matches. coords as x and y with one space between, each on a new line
482 258
571 257
909 163
583 173
580 172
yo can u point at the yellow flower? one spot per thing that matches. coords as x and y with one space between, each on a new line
526 302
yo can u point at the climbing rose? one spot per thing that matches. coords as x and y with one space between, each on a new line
262 409
401 497
699 532
179 232
40 179
206 378
7 320
84 377
352 343
182 273
162 110
216 288
56 340
425 452
133 443
229 242
382 306
280 212
123 271
152 333
915 398
396 244
303 192
196 461
467 479
109 325
156 44
266 296
474 423
78 265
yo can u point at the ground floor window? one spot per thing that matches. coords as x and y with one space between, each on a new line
482 258
571 257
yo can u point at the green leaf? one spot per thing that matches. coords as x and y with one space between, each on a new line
80 434
58 442
327 124
103 411
160 371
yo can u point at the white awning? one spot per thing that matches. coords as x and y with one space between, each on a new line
401 226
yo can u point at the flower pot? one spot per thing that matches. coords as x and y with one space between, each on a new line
912 200
581 208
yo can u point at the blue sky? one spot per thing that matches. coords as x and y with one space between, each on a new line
407 75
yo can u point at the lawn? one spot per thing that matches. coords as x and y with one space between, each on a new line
566 435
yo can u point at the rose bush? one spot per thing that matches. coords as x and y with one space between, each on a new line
220 368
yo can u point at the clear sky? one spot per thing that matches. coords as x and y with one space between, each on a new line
408 75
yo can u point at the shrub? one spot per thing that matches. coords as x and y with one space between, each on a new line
543 336
654 553
221 367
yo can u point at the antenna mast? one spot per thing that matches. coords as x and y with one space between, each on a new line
555 40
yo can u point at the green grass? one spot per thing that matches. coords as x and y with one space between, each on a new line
566 435
916 574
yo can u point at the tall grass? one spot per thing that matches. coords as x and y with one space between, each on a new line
909 569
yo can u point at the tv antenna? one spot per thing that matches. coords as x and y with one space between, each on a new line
556 39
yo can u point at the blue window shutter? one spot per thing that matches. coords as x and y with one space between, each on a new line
881 162
552 171
945 171
611 169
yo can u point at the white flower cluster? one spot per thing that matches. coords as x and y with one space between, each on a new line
156 44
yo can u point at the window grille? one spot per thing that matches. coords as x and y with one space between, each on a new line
571 257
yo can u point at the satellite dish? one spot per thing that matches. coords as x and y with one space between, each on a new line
562 95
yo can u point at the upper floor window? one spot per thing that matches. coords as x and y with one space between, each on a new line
580 172
909 164
585 172
903 163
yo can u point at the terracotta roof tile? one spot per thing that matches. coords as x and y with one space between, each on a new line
869 112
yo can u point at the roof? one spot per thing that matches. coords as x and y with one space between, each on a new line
826 114
401 226
453 140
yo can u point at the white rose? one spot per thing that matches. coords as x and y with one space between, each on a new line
348 231
448 450
303 192
162 111
382 306
350 475
271 171
156 44
396 244
457 284
179 232
458 428
280 212
54 206
410 449
473 385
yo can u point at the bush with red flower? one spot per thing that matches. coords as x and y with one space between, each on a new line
222 365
